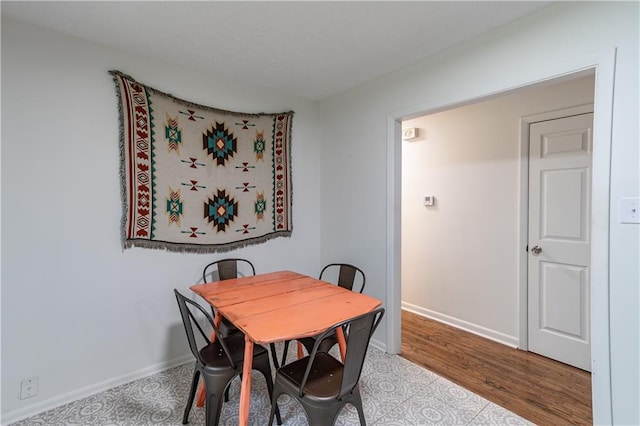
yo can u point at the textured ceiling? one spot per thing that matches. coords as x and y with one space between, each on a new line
309 49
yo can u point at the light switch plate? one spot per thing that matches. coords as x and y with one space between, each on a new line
629 210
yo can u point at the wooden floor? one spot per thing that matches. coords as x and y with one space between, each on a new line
539 389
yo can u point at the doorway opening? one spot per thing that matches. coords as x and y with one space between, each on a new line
464 231
604 67
464 209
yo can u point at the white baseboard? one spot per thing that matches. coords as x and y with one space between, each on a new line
379 344
488 333
57 401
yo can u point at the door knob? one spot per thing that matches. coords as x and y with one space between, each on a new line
536 250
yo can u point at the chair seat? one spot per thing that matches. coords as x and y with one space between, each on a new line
214 355
324 380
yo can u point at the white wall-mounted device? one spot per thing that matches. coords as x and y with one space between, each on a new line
429 200
410 134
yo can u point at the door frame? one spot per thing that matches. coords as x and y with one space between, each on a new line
523 209
604 66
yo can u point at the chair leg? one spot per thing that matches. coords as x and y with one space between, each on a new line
213 408
356 400
226 393
308 345
192 395
275 410
274 355
213 404
285 352
265 369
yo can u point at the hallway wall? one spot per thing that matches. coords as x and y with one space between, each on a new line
460 258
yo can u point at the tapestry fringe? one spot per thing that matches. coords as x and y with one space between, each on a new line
122 170
202 249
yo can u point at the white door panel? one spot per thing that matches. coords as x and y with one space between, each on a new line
559 214
564 296
566 188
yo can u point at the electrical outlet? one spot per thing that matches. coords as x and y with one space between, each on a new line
28 387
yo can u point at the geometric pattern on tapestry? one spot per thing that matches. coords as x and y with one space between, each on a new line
197 178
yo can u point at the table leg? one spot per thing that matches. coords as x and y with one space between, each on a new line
245 390
342 343
202 391
300 350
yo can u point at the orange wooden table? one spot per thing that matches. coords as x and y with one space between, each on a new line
280 306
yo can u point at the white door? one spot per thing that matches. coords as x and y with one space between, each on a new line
560 154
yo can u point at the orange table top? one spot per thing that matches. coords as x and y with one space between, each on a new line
283 305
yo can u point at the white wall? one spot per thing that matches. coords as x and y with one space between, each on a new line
73 303
460 258
551 42
77 311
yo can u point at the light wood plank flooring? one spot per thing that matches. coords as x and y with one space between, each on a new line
539 389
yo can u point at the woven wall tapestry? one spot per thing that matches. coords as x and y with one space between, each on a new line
200 179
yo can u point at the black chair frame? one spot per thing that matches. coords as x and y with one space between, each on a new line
321 383
227 270
346 275
346 279
218 362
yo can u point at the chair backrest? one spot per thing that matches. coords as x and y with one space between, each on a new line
346 275
227 269
188 311
360 329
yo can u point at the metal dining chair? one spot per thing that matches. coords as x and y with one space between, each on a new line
321 383
344 275
219 361
226 269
